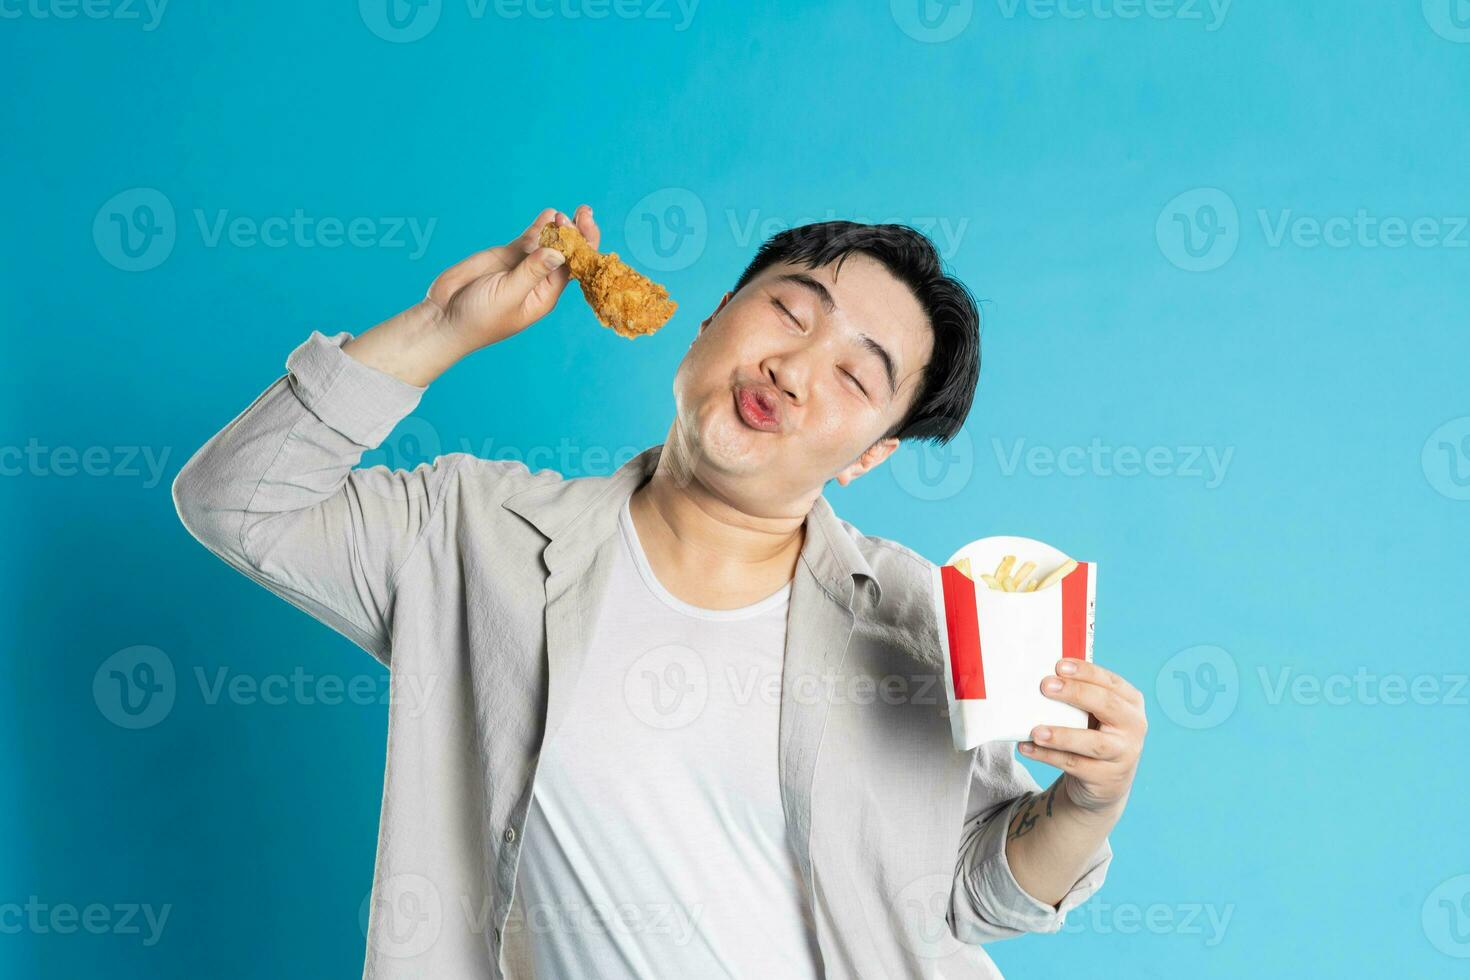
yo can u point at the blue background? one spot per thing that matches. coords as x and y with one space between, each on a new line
1104 180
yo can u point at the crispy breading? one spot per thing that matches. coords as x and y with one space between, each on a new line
623 299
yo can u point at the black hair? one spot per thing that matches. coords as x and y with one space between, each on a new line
947 388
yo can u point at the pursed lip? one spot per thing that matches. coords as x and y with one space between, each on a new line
758 407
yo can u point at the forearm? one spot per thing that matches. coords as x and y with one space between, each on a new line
1051 842
415 346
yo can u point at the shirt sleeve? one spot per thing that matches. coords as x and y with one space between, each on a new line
987 903
274 493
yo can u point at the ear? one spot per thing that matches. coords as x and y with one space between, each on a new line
723 300
871 457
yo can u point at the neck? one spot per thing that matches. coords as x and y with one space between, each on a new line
691 534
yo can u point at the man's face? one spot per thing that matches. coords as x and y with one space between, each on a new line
787 385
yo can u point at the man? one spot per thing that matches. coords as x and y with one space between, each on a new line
680 720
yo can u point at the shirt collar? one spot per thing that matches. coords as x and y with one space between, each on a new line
589 505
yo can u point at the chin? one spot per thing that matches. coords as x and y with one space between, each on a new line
729 447
726 444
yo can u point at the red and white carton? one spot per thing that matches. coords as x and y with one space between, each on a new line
999 645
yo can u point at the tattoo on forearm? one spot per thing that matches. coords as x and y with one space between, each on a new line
1026 818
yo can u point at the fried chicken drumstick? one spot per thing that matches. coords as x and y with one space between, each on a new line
623 299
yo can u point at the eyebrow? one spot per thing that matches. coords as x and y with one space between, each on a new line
829 305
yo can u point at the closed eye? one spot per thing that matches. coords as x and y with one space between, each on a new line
775 301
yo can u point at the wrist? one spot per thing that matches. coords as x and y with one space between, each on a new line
415 346
430 329
1088 811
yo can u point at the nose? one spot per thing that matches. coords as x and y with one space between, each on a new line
788 377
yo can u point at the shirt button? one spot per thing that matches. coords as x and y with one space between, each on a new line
510 835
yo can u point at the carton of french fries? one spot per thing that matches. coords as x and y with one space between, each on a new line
1008 609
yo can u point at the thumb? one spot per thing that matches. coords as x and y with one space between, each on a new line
533 268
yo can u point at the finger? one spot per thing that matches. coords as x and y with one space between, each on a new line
1080 741
1110 707
562 274
1085 670
496 259
1079 765
587 226
533 269
530 239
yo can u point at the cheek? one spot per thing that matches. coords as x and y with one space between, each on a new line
701 378
698 373
831 426
717 353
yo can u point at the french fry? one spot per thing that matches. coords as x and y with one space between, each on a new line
1002 580
1003 570
1057 574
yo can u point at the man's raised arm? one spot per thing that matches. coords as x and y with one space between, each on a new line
274 493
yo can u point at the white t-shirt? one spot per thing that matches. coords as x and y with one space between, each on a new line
655 843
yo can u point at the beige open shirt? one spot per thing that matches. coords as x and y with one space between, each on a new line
475 580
